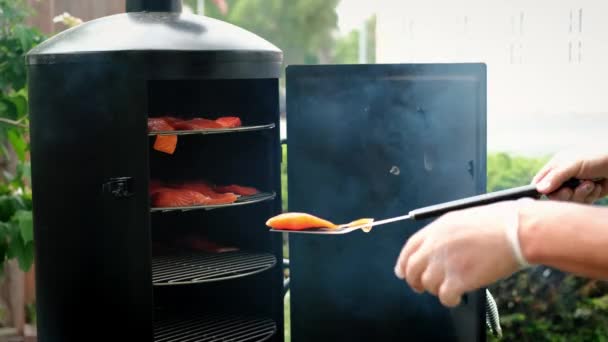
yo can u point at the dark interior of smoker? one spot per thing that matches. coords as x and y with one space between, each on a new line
245 158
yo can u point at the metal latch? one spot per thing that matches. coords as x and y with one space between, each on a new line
119 187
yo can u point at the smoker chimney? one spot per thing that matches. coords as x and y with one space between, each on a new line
154 5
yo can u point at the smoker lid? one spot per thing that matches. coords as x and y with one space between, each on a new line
154 32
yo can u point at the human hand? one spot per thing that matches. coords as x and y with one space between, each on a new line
462 251
582 164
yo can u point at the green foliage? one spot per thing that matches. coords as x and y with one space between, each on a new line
284 178
506 171
16 227
542 304
30 314
287 315
16 39
303 29
347 48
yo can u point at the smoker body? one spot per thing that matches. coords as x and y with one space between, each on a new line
92 89
378 141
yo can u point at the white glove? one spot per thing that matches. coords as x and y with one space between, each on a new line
463 251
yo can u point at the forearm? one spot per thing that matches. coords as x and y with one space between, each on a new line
566 236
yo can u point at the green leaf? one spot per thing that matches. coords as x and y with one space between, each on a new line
7 109
9 204
18 249
27 258
26 199
25 223
24 170
20 103
19 144
3 149
3 109
4 238
601 303
23 36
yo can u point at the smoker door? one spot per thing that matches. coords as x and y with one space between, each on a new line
378 141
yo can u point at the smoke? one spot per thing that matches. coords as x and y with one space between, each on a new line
376 141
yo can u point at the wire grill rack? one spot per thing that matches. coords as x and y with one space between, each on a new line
214 328
243 200
215 130
193 268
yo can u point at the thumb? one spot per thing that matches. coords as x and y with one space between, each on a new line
449 295
555 178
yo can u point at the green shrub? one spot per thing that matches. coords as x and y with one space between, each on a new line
16 229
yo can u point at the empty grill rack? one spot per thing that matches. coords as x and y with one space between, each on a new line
215 131
243 200
214 328
193 268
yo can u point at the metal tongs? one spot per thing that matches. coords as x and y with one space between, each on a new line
443 208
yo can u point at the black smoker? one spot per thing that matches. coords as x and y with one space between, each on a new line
107 265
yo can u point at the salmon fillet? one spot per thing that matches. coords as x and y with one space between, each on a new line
237 189
159 124
178 198
165 143
171 120
207 190
229 121
195 124
298 221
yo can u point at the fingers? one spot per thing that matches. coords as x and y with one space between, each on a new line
564 194
588 192
583 191
411 246
432 278
555 178
417 263
595 195
542 173
450 294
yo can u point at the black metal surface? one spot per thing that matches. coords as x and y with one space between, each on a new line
154 6
378 141
91 89
197 47
214 328
193 268
92 247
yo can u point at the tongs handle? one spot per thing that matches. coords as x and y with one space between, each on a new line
493 197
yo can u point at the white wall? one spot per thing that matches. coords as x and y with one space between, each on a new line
541 97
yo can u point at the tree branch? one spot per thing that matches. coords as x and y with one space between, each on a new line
17 123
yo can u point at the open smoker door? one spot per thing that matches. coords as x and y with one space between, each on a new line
377 141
